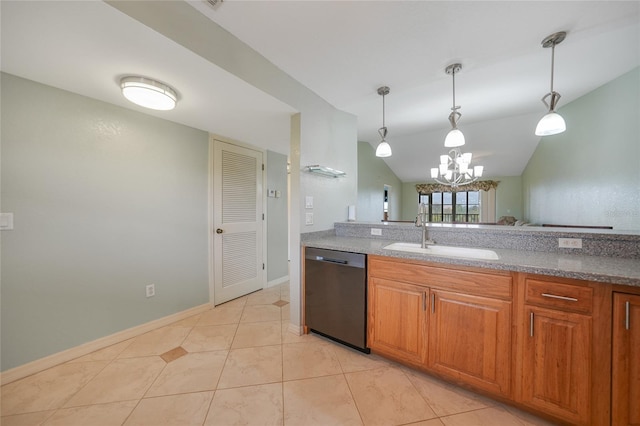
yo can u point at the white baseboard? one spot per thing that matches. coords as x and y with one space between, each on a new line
278 281
295 329
41 364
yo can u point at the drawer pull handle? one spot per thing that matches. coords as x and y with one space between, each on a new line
424 301
554 296
433 303
626 318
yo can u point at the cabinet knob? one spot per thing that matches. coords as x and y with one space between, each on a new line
219 231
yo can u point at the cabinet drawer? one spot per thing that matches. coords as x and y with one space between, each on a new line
557 295
467 282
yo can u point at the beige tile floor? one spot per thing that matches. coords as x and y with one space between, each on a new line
237 364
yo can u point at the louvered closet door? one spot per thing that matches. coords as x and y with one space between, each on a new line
237 221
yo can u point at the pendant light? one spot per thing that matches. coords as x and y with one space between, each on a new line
454 137
148 93
383 149
552 123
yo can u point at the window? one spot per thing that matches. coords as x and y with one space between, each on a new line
462 206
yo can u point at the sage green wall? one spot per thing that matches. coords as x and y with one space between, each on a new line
409 201
590 174
277 218
105 201
508 197
373 174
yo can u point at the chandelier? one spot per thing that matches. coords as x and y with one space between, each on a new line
455 168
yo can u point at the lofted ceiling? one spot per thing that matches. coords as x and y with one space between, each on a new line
344 51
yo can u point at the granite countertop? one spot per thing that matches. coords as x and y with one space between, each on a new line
592 268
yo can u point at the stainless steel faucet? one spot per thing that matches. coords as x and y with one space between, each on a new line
421 220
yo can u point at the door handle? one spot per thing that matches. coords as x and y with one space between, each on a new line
219 231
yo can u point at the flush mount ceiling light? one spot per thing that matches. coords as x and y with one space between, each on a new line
552 123
383 149
148 93
454 137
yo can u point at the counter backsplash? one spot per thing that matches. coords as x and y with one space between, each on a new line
594 243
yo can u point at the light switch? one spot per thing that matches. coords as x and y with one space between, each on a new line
6 221
308 219
308 202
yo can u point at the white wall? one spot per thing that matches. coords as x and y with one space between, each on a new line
277 219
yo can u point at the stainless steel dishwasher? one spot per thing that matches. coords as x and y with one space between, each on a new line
336 296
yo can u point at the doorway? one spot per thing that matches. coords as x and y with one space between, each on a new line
386 202
237 221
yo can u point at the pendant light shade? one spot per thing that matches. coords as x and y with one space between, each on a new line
383 149
148 93
455 137
552 123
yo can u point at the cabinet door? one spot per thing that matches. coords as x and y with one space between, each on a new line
556 376
626 359
470 340
397 320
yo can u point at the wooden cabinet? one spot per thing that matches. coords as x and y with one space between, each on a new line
398 320
561 372
557 364
626 359
454 323
470 340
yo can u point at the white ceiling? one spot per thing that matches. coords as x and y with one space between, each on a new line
86 47
343 51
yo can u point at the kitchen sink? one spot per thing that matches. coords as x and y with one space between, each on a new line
435 250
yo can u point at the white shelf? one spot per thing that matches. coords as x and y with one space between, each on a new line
325 171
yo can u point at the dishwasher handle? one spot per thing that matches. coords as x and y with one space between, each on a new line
328 259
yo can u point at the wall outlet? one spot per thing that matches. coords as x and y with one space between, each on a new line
151 290
570 243
308 219
308 202
376 231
